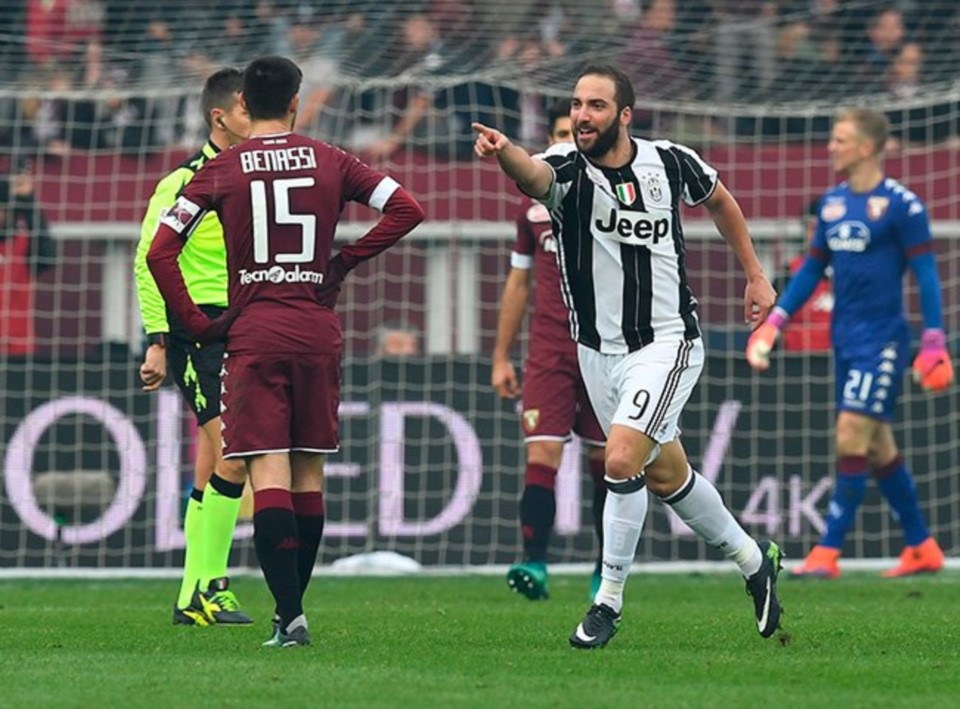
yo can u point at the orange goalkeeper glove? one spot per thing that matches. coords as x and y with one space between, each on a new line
764 338
932 368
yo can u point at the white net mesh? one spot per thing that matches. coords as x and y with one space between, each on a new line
98 100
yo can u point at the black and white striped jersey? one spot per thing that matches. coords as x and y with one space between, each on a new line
621 245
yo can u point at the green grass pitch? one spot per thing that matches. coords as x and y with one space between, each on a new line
686 641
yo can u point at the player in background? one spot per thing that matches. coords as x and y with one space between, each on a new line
279 196
870 230
555 401
615 207
205 596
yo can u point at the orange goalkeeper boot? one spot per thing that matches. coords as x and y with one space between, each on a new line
821 563
925 558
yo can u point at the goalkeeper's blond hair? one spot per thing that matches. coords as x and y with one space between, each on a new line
872 125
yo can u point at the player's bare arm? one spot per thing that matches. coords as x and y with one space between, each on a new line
759 296
533 176
154 368
513 306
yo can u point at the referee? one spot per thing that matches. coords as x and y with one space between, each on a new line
205 597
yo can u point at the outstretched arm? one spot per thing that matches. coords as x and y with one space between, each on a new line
532 176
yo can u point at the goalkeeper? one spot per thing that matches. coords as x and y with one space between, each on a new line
870 228
205 597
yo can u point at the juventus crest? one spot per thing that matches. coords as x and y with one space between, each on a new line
652 189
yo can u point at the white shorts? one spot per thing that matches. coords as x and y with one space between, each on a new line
644 390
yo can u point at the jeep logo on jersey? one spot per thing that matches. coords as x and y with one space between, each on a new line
849 236
634 224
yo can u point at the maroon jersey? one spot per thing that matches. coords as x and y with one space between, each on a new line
535 246
279 198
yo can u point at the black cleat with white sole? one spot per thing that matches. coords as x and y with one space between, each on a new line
295 635
762 586
596 628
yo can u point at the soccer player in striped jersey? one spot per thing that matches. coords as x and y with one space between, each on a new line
615 206
555 402
205 597
870 229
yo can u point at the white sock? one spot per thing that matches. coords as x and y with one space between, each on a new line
299 621
624 513
698 503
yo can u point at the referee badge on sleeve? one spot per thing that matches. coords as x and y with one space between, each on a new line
531 417
626 193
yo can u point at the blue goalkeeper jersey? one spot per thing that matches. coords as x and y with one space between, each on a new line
868 238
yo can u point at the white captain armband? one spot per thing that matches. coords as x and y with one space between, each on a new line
181 216
383 192
522 261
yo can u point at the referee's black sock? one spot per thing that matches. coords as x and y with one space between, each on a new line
277 542
308 507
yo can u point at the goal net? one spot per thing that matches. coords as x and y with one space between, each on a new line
99 99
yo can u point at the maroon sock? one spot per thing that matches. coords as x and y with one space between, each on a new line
538 509
276 540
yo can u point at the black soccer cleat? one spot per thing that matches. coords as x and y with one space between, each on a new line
597 627
223 604
190 616
296 635
200 611
762 586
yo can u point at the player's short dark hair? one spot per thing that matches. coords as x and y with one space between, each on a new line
269 85
220 91
623 92
557 110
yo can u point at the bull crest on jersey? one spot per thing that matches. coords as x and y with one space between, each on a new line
877 207
626 193
531 417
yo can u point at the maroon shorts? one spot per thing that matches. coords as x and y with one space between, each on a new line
272 403
555 400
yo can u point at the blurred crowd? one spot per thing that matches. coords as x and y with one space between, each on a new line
123 74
